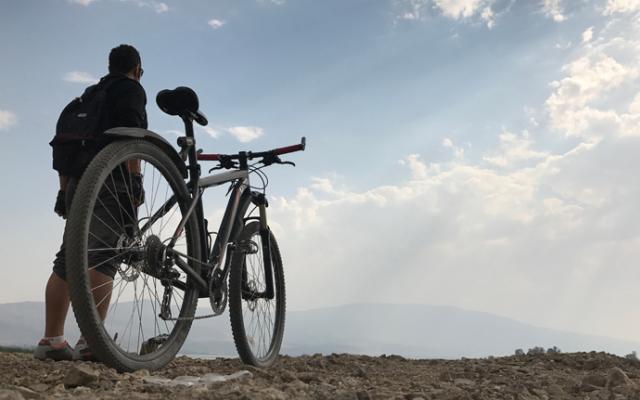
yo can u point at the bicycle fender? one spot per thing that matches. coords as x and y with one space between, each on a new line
145 134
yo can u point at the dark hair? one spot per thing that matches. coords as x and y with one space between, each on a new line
123 59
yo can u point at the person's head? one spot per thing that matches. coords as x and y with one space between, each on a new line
125 59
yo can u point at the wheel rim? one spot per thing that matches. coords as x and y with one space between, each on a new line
121 238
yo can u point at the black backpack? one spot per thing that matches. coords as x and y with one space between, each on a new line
79 130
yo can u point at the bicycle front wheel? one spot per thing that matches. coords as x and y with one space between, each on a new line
257 319
133 305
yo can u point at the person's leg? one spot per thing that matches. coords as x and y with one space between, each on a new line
101 286
56 306
53 345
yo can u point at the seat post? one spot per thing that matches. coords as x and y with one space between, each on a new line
194 167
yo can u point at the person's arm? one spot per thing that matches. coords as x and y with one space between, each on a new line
64 181
60 206
130 112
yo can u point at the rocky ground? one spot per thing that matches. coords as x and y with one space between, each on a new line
338 376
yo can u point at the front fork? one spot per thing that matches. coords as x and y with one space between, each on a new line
265 235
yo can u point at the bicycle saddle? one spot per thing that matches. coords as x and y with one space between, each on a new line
181 101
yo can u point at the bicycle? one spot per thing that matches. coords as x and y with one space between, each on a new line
156 242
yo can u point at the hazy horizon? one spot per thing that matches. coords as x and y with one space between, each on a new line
480 154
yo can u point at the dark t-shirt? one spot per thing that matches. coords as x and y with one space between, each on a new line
125 103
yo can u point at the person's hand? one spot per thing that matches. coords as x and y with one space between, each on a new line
137 189
60 207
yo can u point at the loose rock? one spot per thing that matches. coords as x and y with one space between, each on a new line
80 375
28 393
617 377
6 394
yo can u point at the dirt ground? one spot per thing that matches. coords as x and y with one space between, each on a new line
338 376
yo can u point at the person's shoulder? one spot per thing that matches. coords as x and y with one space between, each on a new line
123 85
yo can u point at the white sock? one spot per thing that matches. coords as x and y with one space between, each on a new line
55 340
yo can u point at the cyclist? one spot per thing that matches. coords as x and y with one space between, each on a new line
123 105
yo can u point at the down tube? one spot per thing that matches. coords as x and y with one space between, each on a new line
236 208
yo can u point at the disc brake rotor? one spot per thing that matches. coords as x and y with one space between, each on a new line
129 269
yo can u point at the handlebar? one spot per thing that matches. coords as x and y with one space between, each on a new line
251 155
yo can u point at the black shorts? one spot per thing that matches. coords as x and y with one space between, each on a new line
107 228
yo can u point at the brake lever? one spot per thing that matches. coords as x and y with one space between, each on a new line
288 163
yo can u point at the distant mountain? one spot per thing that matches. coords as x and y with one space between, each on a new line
416 331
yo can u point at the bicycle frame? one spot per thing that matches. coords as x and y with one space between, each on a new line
212 257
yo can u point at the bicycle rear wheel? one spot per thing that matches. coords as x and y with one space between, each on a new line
257 322
117 230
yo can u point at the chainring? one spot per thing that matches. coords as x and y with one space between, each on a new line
218 292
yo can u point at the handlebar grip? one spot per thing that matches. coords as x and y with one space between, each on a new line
291 149
208 157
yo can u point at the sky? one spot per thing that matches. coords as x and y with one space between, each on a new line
473 153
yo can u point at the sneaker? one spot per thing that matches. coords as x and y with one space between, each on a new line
57 352
83 352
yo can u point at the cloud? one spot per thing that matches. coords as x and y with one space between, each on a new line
157 6
488 16
452 9
243 134
418 169
216 23
457 9
7 119
551 230
161 7
553 9
412 9
536 227
587 35
621 6
80 77
82 2
458 152
246 134
578 106
213 132
514 150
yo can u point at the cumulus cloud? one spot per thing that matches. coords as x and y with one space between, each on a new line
7 119
454 9
216 23
621 6
80 77
554 9
577 106
488 17
418 168
587 35
514 150
457 9
161 7
470 235
213 132
246 134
